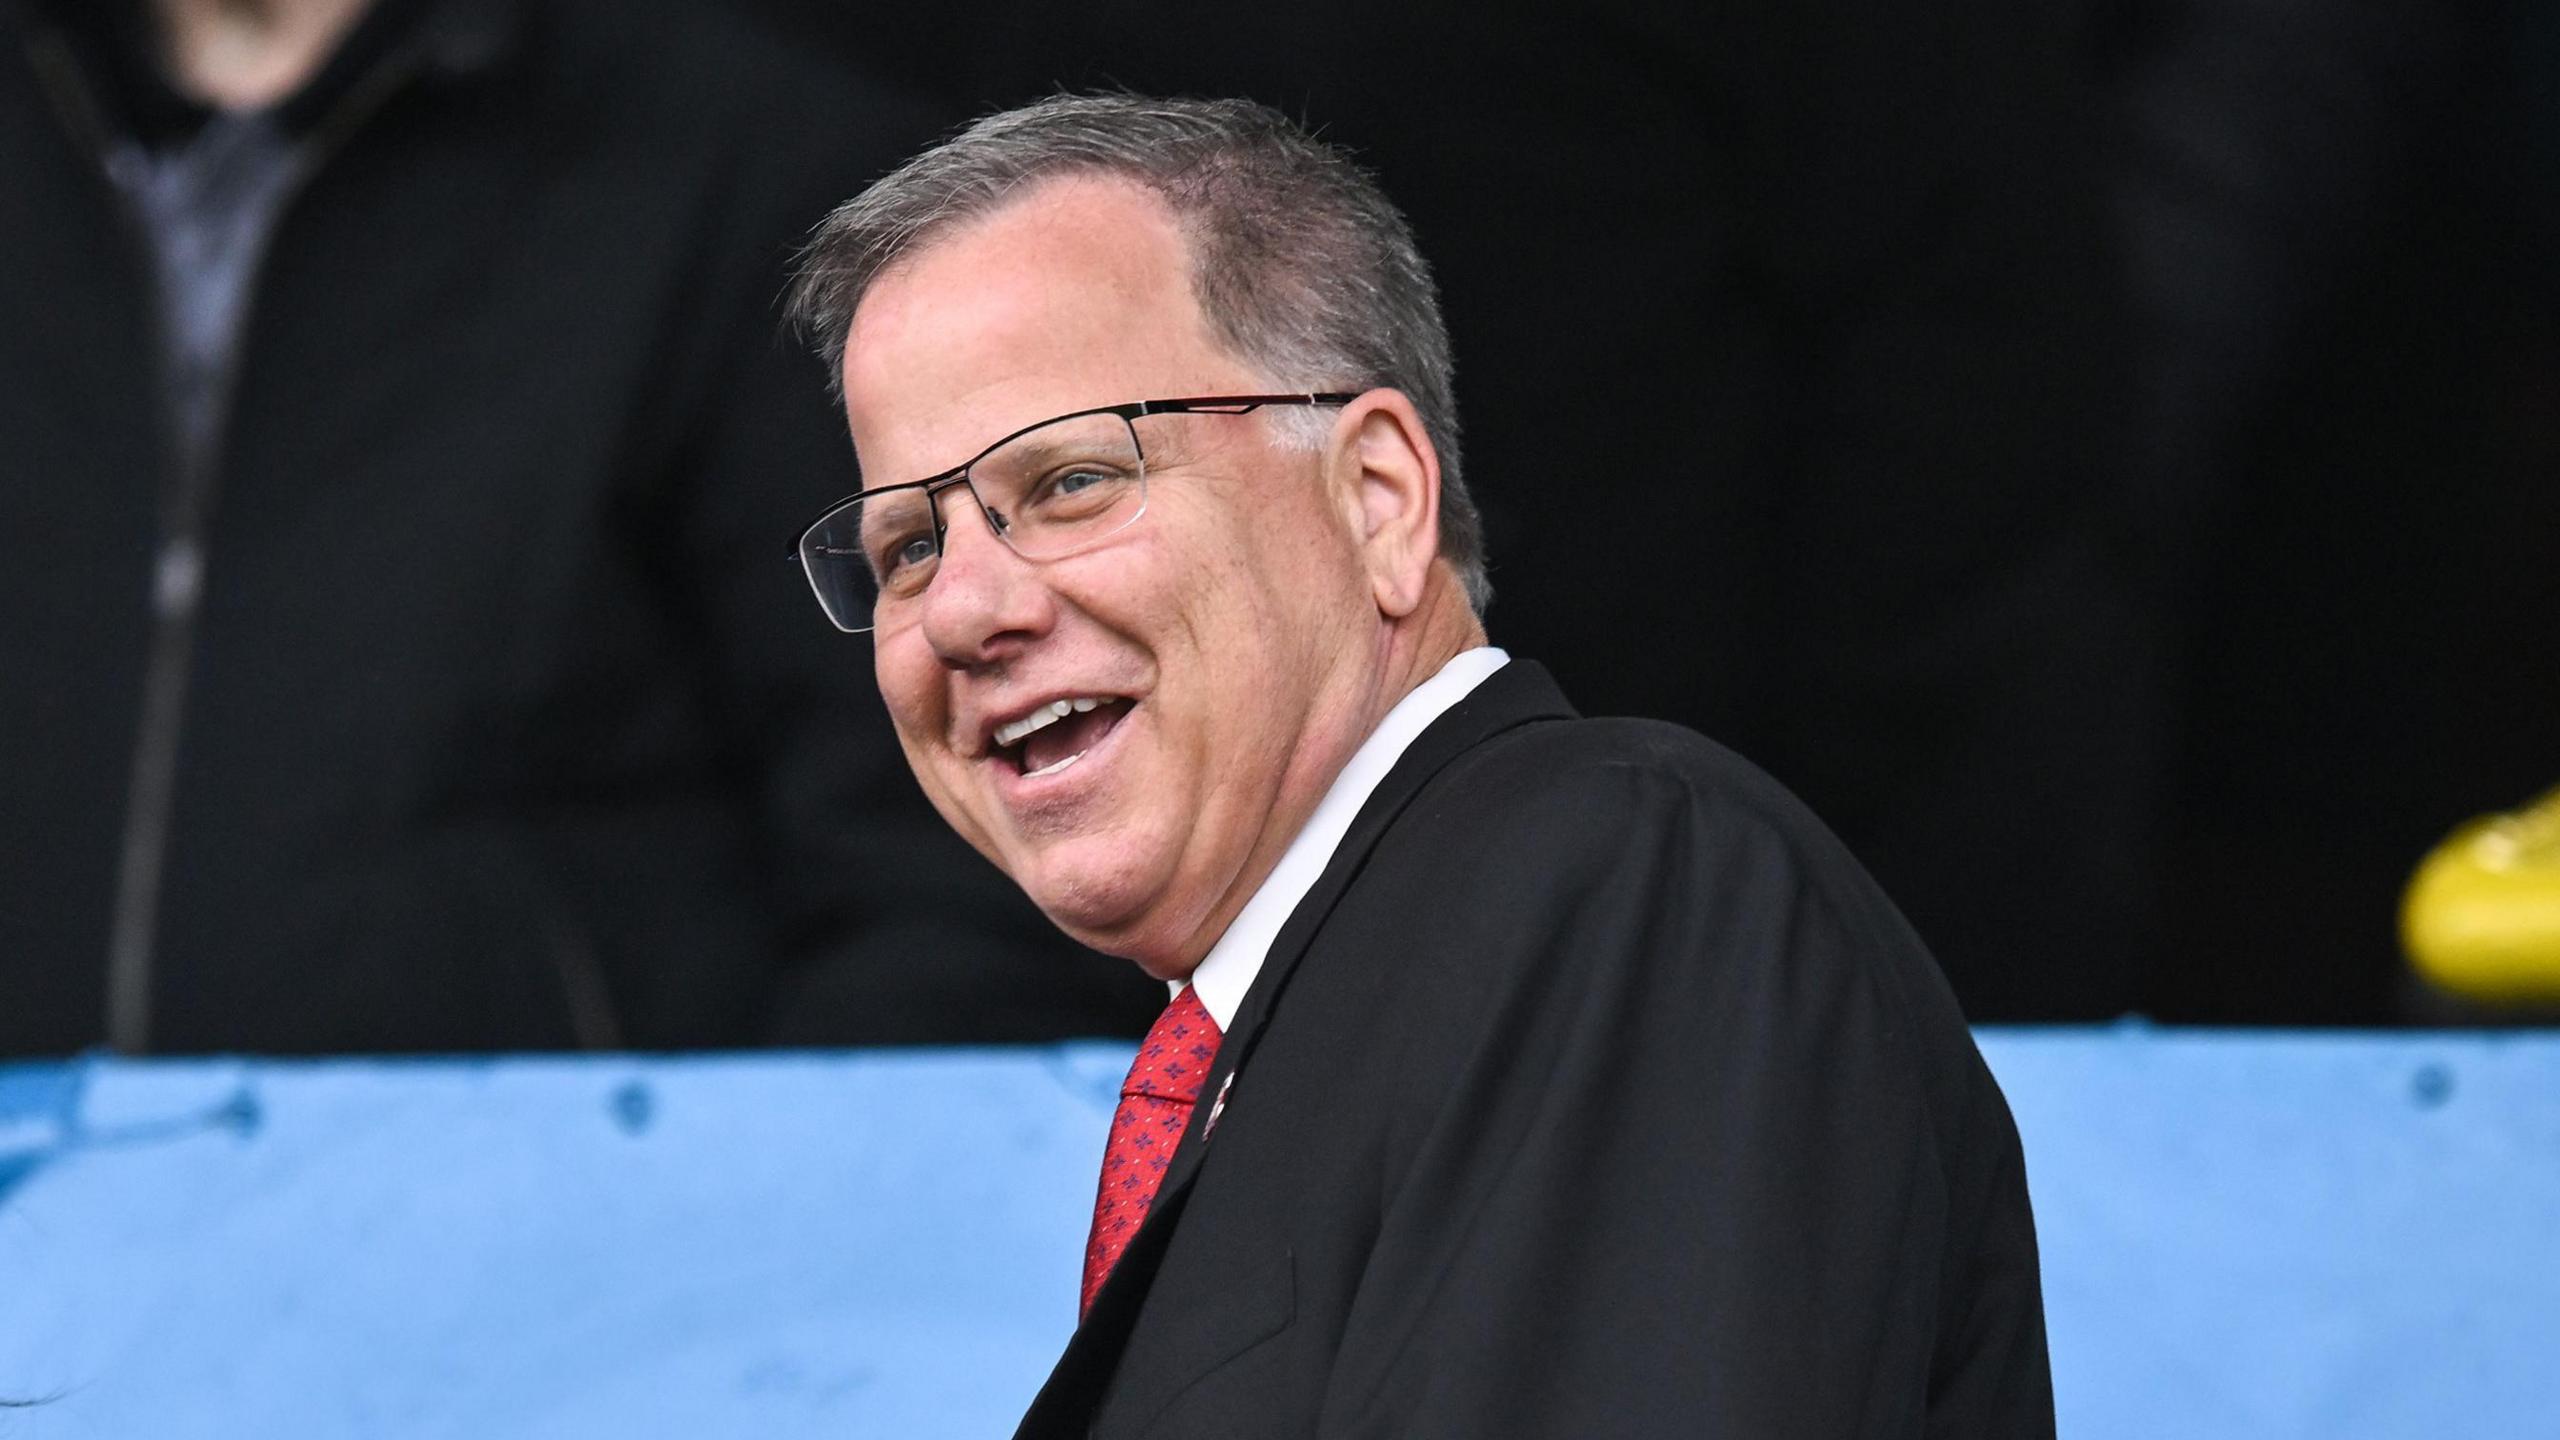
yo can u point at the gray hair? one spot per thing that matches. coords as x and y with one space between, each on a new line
1299 262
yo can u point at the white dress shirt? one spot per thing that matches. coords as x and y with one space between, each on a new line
1228 970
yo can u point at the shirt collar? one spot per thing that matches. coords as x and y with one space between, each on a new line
1228 970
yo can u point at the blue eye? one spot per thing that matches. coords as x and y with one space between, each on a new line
903 563
1079 491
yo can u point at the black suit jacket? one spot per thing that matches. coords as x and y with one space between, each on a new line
1592 1091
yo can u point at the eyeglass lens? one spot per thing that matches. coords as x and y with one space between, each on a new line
1047 492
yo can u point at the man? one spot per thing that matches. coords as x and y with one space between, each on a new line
1527 1075
389 399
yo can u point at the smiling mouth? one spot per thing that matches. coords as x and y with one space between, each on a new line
1058 734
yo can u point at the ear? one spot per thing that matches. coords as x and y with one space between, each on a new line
1391 496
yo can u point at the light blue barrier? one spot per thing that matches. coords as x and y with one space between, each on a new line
2244 1235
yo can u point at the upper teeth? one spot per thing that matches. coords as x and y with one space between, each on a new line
1042 718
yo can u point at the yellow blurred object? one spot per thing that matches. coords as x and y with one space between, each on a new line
2482 916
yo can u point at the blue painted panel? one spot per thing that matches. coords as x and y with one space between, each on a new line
2245 1236
2272 1236
788 1246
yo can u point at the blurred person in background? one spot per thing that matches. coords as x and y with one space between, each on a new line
393 426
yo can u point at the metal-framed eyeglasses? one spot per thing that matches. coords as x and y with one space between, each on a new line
1048 490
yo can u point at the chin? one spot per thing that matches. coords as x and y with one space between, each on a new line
1103 901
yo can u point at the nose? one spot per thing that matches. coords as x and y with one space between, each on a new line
985 601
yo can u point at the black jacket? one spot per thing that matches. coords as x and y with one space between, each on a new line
503 719
1593 1091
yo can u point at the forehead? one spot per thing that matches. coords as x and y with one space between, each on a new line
1075 294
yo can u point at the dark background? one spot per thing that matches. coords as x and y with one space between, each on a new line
2102 458
2102 455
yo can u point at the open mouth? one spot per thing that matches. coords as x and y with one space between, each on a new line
1058 734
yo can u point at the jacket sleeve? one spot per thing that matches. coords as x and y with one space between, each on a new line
1716 1157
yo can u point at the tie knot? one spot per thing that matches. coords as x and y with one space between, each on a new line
1176 1055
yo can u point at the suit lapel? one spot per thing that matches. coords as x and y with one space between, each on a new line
1517 694
1514 695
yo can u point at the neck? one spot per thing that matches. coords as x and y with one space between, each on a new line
250 54
1442 629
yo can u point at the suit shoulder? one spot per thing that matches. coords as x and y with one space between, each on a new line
1601 774
1639 827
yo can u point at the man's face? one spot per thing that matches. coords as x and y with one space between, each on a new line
1228 635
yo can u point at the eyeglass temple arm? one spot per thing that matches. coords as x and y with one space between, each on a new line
1241 404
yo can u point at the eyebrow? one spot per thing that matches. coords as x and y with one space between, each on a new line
1032 446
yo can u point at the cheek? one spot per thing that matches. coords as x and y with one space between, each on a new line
911 688
1282 603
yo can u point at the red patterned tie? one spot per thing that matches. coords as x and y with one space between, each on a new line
1155 1103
